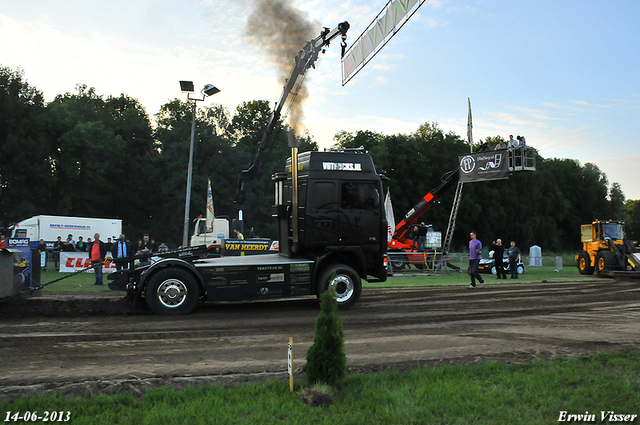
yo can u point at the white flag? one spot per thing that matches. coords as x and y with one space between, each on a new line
391 221
210 214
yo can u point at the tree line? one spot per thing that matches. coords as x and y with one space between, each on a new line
82 154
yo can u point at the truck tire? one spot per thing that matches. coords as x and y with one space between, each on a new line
520 268
605 260
172 291
346 282
584 263
494 270
397 264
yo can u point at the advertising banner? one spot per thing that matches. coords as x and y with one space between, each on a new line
74 261
249 247
483 166
21 250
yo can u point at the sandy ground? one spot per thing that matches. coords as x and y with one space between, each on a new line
75 344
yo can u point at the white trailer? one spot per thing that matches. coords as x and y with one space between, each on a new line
49 227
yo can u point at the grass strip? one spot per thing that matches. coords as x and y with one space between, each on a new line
492 393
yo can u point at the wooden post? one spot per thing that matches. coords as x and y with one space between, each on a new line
290 364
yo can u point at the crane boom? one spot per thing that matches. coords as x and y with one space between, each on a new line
428 200
304 60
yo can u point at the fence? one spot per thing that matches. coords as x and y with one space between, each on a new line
430 263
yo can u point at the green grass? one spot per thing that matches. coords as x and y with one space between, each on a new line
492 393
411 277
417 278
81 282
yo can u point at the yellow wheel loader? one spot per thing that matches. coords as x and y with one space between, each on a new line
607 251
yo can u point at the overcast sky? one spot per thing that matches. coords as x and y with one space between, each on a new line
565 74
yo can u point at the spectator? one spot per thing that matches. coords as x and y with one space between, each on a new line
498 255
42 251
514 258
57 247
422 236
71 241
81 246
42 247
109 244
521 142
414 237
513 143
97 252
238 235
121 249
163 247
501 144
146 247
68 246
475 254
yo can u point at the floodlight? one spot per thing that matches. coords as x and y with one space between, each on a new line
210 90
187 86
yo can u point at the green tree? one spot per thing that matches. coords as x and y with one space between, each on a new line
616 197
25 177
326 361
632 219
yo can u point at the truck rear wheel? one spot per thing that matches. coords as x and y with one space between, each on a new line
584 263
172 291
605 260
346 282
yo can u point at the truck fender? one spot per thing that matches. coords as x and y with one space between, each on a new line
170 262
333 254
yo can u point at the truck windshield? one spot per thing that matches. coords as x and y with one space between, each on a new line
612 230
359 196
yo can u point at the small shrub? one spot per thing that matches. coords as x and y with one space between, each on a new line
326 361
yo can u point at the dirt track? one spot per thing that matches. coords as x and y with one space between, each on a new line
74 344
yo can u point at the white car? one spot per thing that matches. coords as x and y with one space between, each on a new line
488 265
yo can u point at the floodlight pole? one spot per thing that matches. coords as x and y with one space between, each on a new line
185 235
208 90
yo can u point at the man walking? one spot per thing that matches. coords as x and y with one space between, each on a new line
475 253
97 252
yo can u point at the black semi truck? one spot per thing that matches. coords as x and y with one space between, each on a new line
332 234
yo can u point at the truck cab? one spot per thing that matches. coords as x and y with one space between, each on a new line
340 211
606 250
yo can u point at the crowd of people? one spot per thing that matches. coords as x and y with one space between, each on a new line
518 142
99 250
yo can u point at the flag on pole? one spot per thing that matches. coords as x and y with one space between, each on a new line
470 127
391 221
210 214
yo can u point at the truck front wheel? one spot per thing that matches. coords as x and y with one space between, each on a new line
172 291
346 282
605 260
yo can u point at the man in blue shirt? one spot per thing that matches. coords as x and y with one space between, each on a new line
475 253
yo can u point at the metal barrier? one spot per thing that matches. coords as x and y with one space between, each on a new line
427 262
